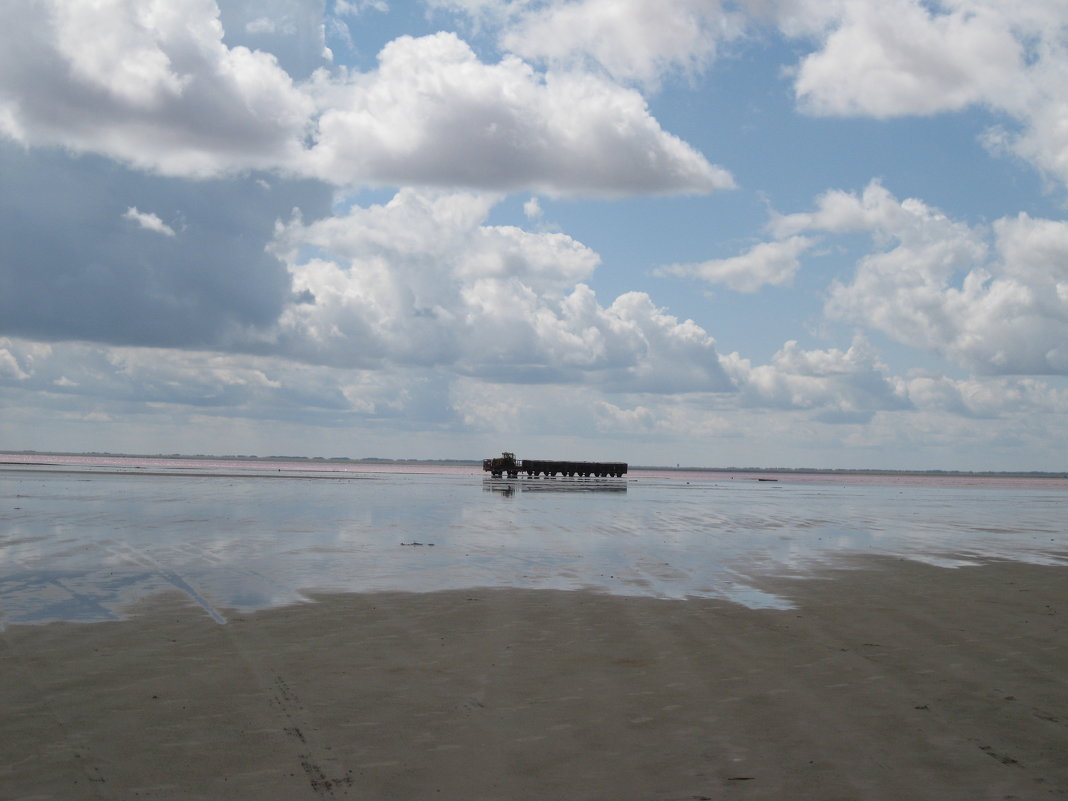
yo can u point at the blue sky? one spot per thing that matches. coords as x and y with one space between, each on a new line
764 233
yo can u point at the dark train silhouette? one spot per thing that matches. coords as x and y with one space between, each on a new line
507 465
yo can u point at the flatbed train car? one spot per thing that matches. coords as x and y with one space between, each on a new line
507 465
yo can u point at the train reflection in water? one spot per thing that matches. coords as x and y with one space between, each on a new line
510 486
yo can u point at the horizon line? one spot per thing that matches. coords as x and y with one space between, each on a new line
669 468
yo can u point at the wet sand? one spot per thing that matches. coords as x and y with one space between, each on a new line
894 681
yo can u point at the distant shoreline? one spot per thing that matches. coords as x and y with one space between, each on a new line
829 471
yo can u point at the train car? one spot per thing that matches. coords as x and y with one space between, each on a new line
507 465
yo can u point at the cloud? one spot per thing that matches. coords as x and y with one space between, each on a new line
911 222
147 83
290 30
433 113
987 398
901 57
154 85
881 60
631 40
87 264
21 360
843 386
354 8
906 57
132 380
1000 316
10 366
162 85
993 301
163 400
268 25
532 209
765 264
422 280
273 293
148 221
808 407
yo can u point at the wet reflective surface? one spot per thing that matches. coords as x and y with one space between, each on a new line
510 486
79 542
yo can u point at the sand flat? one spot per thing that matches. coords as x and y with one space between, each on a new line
896 680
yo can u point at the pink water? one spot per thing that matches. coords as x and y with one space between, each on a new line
418 467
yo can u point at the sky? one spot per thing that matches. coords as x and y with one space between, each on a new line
769 233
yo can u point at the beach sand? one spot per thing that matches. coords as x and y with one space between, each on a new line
895 680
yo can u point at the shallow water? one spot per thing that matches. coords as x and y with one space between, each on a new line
79 540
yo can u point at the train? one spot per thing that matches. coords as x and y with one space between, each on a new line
507 465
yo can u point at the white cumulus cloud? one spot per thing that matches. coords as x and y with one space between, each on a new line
901 57
765 264
422 280
632 40
153 84
993 301
433 113
934 289
148 221
148 83
842 386
904 57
